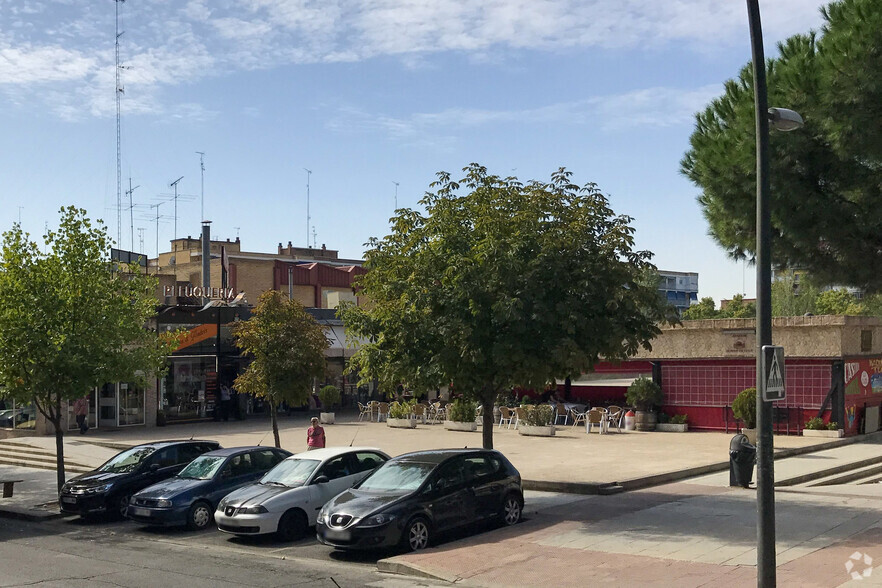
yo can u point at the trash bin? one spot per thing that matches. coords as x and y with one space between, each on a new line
742 457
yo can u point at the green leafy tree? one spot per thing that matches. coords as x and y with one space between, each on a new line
738 308
287 347
705 309
70 321
792 299
501 284
824 178
838 301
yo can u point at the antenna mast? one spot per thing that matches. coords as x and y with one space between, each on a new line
175 186
131 214
202 201
119 92
141 239
156 206
396 194
308 173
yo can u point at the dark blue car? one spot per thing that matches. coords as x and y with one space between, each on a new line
191 497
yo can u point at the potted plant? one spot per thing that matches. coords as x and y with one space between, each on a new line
816 427
537 421
461 416
644 395
329 396
674 424
744 409
399 415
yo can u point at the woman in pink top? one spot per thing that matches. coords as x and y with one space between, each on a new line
315 436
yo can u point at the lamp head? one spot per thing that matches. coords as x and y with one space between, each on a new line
784 119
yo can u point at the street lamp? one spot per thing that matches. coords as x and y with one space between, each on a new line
784 120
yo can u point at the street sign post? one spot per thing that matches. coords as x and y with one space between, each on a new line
773 373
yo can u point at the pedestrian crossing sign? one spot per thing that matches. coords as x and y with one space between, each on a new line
773 373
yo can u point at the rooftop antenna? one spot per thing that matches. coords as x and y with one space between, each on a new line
353 437
156 206
202 168
119 92
237 232
131 214
313 237
396 194
19 215
308 174
175 186
141 239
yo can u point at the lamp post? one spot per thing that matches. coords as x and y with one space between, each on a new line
785 120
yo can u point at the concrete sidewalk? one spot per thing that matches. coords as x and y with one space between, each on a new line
679 534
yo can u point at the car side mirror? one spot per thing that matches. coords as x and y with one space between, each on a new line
321 480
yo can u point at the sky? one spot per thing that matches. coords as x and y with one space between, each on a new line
374 97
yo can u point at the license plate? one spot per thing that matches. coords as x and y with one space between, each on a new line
140 512
68 500
338 535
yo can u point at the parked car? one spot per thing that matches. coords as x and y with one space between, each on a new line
416 495
190 497
285 501
15 418
109 487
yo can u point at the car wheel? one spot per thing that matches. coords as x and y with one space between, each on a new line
122 504
200 516
416 534
292 525
511 509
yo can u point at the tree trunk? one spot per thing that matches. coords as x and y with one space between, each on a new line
274 414
59 444
487 430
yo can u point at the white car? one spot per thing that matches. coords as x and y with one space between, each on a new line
287 500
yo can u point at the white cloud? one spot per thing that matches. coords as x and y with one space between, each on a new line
70 44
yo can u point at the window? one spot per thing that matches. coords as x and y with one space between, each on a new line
265 459
187 453
166 457
866 340
335 468
450 475
365 461
477 468
241 465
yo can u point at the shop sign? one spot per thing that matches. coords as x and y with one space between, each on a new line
197 335
199 292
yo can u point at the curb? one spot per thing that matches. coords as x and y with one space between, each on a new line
409 569
26 514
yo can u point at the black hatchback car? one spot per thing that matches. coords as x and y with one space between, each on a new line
414 496
109 487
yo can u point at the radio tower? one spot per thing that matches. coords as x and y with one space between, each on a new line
119 92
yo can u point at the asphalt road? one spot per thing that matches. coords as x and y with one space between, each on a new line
72 553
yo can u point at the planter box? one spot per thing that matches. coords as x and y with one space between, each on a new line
546 431
457 426
823 433
672 428
401 423
326 418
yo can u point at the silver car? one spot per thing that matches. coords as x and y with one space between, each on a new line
287 499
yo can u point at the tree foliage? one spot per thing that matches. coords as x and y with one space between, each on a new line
825 182
501 284
287 347
70 320
705 309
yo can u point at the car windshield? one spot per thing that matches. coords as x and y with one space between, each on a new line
397 476
202 468
127 461
290 472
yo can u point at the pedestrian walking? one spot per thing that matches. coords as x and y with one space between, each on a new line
315 435
81 411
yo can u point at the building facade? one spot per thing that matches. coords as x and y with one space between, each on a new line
679 288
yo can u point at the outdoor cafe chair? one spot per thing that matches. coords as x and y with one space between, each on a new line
614 417
561 411
578 415
418 412
438 412
365 410
382 411
505 416
595 416
520 414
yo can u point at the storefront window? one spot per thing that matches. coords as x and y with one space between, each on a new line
14 415
131 404
189 388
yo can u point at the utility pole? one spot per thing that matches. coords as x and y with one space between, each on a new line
175 186
202 199
131 214
308 174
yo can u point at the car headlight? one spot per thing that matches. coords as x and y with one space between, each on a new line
222 504
98 489
322 516
163 503
259 509
376 520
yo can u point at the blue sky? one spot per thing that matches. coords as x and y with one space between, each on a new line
365 93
